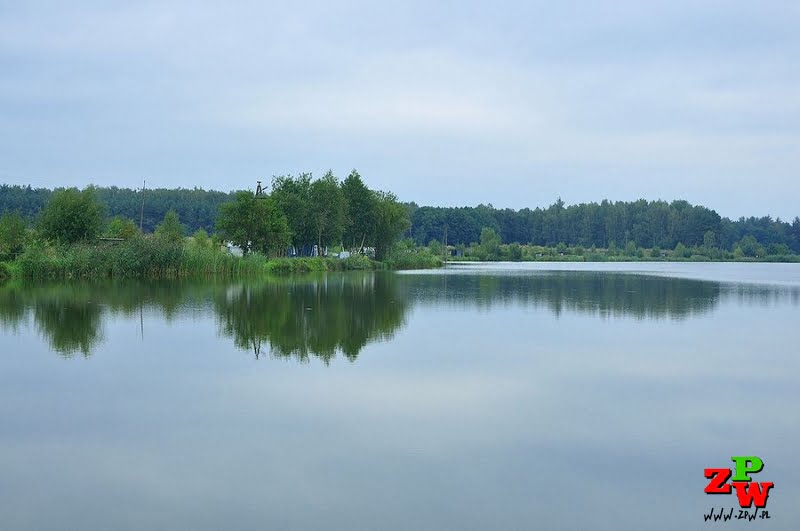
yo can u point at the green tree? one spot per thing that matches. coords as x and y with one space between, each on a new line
12 234
170 229
119 227
490 244
254 224
391 221
72 216
435 247
328 210
201 239
292 195
515 252
750 247
361 210
709 239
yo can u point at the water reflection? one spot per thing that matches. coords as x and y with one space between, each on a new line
320 316
302 318
626 295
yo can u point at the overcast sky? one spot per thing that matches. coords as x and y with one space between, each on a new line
444 103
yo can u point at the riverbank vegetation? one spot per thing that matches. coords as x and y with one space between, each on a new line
72 238
301 223
490 249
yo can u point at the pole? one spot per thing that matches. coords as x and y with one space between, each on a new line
141 212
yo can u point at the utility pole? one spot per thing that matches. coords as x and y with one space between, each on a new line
141 212
446 252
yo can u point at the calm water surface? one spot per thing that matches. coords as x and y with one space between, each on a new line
502 396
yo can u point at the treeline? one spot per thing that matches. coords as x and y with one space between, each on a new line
650 224
318 212
197 208
72 236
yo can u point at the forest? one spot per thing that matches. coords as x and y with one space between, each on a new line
324 211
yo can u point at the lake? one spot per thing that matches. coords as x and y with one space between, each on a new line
481 396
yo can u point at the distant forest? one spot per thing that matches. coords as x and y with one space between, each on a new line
645 223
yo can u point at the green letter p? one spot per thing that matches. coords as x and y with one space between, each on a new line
746 464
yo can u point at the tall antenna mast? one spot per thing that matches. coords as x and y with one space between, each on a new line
141 212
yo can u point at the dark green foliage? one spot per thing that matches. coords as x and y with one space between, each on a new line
391 222
140 257
490 245
72 216
170 229
606 225
302 317
603 225
254 224
119 227
361 212
292 195
200 239
197 208
328 210
404 258
750 247
12 235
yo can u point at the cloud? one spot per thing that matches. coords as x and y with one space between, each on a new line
438 102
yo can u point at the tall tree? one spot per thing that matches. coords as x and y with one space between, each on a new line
391 221
328 210
254 224
12 234
361 212
72 216
170 229
292 195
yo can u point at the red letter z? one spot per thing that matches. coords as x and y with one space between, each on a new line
719 480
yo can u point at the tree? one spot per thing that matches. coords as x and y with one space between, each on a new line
391 221
12 234
119 227
72 216
709 239
170 229
293 197
750 247
361 212
490 244
254 224
328 210
435 247
201 239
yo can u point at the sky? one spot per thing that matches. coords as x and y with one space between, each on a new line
445 103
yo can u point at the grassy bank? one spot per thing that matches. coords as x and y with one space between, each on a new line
156 258
589 257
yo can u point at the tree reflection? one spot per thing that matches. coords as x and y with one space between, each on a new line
321 316
599 293
299 318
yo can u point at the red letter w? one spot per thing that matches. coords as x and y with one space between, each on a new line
757 492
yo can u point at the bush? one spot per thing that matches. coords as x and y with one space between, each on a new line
419 259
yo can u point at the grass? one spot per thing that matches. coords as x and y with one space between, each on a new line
157 258
135 258
413 259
